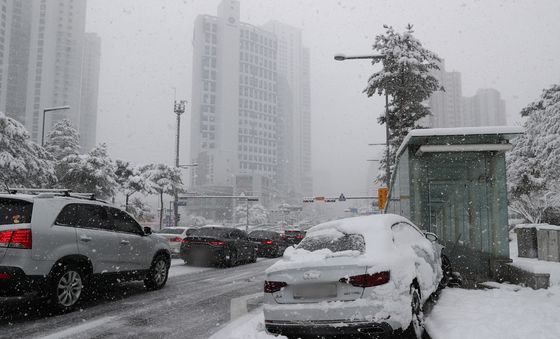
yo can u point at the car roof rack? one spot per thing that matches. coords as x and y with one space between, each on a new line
56 191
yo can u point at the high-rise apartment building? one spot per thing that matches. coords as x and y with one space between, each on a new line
485 108
89 91
43 42
250 107
450 109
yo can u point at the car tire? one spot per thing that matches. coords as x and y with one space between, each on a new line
158 273
232 261
416 327
447 270
254 257
66 287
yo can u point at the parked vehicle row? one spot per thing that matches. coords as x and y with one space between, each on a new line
57 245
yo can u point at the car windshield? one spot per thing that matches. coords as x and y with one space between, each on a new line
346 242
13 211
171 231
293 233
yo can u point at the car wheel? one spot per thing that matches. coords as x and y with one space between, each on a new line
232 261
254 257
416 327
157 274
67 287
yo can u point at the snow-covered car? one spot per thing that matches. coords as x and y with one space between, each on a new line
363 275
174 235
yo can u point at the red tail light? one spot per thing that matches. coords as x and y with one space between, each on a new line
299 236
216 243
186 241
267 242
368 280
273 286
16 239
5 276
178 239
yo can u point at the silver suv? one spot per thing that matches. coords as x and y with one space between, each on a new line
58 244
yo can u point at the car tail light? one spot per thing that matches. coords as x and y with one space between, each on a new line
5 276
216 243
178 239
299 237
368 280
267 242
273 286
186 241
16 238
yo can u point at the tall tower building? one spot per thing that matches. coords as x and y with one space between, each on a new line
250 98
485 108
43 52
445 105
89 91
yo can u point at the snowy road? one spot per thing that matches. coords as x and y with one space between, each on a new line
194 304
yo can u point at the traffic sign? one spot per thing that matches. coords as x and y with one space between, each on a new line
330 199
342 197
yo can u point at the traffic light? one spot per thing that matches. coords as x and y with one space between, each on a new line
382 194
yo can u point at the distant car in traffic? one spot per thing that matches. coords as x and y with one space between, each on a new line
269 243
293 237
224 246
364 275
174 235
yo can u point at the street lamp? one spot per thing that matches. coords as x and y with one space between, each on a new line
45 110
342 57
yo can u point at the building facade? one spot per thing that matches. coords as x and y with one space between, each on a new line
42 54
450 108
247 113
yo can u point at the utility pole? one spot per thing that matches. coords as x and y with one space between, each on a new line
178 108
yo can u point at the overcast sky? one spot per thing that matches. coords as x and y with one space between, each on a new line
512 46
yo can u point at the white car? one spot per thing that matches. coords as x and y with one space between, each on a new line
363 275
174 235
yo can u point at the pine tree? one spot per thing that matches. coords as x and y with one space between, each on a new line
130 180
63 140
406 79
90 173
534 163
22 162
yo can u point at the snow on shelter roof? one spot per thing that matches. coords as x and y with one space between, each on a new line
457 131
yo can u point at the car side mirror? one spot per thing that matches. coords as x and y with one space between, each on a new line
147 230
431 236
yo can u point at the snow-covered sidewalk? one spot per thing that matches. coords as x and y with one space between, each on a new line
178 267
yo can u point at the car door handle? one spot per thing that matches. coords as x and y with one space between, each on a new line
125 242
85 238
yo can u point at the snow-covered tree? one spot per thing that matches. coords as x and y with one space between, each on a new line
240 213
198 221
93 172
63 140
406 79
140 210
534 162
258 214
162 179
130 180
22 162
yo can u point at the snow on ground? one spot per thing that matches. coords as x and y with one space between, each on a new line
178 267
249 326
496 313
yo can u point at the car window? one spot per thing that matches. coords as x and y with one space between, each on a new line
84 216
212 232
404 233
13 211
123 222
172 231
345 242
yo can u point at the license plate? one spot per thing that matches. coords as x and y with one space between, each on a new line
314 291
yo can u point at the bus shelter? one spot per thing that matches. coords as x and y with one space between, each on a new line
452 182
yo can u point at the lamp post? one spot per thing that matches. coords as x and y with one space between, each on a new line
342 57
178 108
45 110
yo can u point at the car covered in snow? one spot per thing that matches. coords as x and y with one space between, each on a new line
363 275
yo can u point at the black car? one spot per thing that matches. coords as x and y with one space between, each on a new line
224 246
269 243
293 237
